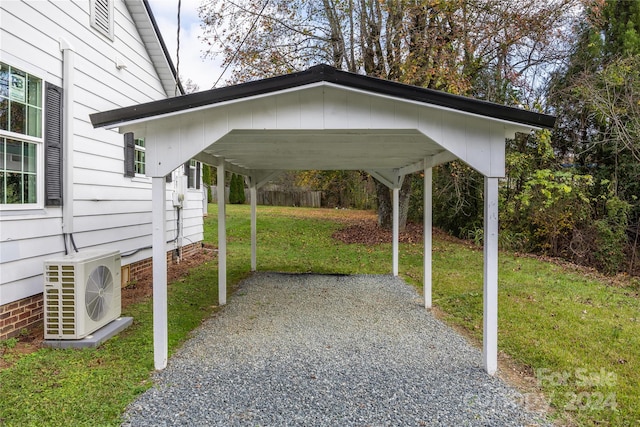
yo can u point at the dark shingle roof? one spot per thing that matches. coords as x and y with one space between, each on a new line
317 74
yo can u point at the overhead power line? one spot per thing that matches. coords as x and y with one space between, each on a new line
233 58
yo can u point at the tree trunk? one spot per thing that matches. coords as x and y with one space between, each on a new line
385 204
385 208
405 197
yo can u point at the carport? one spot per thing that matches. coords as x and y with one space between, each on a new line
324 119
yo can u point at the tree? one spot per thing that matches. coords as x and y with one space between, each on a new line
207 180
484 48
343 189
596 98
236 190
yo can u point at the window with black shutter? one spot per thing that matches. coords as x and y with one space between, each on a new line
129 155
24 102
187 172
53 145
198 165
134 156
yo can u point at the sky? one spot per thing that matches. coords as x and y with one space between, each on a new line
204 72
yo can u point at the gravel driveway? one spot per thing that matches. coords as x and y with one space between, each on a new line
325 350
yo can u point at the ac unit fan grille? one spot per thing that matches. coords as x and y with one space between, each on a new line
98 292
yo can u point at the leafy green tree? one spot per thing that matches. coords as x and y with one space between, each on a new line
343 189
597 99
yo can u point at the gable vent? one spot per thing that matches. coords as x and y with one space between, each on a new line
102 16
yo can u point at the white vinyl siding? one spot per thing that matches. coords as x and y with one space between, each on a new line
110 210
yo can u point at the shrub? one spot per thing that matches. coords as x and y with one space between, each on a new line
236 190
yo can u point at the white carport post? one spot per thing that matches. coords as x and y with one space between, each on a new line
395 226
490 291
253 195
428 237
222 236
160 333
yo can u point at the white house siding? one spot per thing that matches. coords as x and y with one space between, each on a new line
110 211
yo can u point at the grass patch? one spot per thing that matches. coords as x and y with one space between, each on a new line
579 334
92 387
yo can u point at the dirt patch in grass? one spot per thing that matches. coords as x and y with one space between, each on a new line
13 349
365 230
339 215
139 290
142 287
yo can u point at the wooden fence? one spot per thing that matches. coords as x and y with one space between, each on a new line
279 197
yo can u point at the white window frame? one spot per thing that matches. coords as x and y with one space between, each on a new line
192 174
139 149
38 141
97 18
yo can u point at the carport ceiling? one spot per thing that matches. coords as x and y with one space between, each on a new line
324 119
351 149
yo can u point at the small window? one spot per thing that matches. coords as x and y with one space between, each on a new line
102 17
192 171
139 158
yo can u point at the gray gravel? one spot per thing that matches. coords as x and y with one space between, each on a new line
325 350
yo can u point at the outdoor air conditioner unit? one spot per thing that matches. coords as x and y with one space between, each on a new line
81 293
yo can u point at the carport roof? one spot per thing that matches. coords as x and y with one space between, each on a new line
318 74
323 118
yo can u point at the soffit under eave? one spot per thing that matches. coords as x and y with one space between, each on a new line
323 106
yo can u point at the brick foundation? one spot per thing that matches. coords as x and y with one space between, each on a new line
19 316
27 314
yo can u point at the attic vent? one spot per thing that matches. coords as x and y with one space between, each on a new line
102 16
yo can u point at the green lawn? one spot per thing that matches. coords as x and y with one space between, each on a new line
580 335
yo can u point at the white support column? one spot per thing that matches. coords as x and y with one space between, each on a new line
428 237
222 237
490 292
160 324
253 194
396 225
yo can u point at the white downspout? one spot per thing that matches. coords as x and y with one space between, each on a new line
68 70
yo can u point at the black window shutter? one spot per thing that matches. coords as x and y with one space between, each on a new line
53 145
129 155
197 175
187 171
